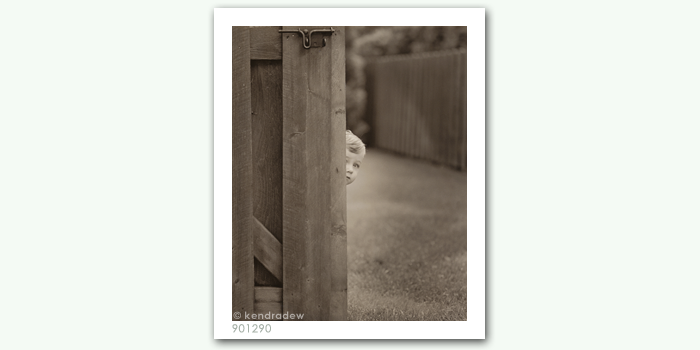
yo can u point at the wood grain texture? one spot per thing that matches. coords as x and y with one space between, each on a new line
263 277
266 95
306 178
268 299
316 285
266 85
338 204
264 308
294 166
242 239
265 43
268 294
267 249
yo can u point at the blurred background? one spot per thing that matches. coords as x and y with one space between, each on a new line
406 99
365 45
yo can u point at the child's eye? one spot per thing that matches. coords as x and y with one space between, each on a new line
356 166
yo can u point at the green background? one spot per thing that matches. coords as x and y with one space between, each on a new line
106 175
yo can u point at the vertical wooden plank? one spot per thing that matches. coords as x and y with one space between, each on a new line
396 107
383 96
405 96
430 106
338 248
451 127
406 72
380 103
266 97
370 109
415 86
457 134
457 141
306 178
372 99
242 239
443 126
413 113
401 107
444 109
390 90
439 108
463 109
294 185
421 98
452 142
383 100
318 273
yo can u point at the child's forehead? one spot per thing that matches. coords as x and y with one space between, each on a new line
357 158
353 155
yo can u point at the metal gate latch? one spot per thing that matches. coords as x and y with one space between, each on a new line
306 35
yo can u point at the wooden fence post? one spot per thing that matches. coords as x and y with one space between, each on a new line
290 244
242 250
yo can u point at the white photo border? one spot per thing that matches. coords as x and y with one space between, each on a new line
475 326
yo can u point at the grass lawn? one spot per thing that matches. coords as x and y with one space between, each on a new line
406 241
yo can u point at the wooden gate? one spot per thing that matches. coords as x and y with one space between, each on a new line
289 211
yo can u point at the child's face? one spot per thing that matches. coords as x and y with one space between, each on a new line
352 165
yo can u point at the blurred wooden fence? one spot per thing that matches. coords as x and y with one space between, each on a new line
289 215
417 105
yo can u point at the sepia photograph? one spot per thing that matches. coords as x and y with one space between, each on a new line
349 180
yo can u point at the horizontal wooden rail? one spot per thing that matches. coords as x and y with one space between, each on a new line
268 299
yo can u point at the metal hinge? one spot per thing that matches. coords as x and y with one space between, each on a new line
306 36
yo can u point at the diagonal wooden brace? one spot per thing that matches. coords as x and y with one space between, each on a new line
267 249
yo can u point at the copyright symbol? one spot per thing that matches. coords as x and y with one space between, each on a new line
236 315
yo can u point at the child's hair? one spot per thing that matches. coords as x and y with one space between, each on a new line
353 143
